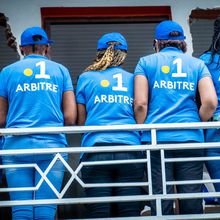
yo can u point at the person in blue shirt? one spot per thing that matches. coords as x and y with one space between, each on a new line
165 89
104 96
35 92
211 57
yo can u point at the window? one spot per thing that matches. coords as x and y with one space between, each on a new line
77 30
201 26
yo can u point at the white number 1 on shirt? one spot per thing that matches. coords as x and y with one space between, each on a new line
179 72
119 86
42 74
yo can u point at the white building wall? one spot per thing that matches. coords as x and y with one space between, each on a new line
26 13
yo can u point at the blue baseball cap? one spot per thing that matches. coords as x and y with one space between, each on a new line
112 37
164 29
27 37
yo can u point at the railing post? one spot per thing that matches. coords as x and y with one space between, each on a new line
154 143
149 176
159 207
163 171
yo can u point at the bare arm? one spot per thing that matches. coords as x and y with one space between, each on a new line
3 111
81 114
140 98
69 108
208 98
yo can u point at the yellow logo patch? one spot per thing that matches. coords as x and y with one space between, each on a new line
28 72
104 83
165 69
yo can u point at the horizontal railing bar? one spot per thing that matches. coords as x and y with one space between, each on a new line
208 158
186 182
167 217
97 185
127 127
122 148
87 200
109 162
18 189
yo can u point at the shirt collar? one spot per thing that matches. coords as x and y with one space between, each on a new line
166 49
35 56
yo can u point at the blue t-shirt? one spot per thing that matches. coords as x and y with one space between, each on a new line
108 98
34 88
213 135
1 143
173 78
214 69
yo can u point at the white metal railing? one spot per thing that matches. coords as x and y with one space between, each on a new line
148 148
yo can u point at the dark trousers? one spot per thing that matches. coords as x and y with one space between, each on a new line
110 174
178 171
213 167
0 171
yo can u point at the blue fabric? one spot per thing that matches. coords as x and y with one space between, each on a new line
214 69
179 172
172 92
164 29
213 167
29 177
29 33
107 102
34 87
112 37
213 135
112 174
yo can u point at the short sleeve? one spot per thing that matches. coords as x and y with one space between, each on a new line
80 91
204 72
3 84
68 85
140 68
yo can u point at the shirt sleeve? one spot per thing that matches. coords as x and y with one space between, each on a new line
140 68
68 85
204 72
80 91
3 87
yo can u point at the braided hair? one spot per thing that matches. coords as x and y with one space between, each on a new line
108 58
215 46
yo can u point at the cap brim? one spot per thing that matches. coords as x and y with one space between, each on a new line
50 42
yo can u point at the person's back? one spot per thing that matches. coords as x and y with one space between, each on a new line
34 87
108 96
173 81
165 90
105 97
35 92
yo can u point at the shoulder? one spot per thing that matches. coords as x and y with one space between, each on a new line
149 57
86 77
16 65
88 74
121 70
193 60
58 65
205 56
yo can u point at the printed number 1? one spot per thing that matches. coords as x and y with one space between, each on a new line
119 86
179 72
42 74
